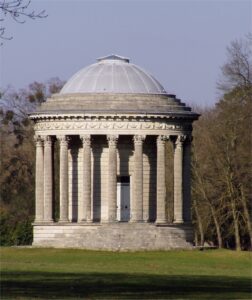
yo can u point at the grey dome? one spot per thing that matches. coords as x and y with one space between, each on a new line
113 74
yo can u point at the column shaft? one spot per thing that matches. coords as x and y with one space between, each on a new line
84 212
48 179
187 180
161 184
112 178
39 205
178 180
63 178
137 205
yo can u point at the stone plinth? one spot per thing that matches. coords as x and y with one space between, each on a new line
115 237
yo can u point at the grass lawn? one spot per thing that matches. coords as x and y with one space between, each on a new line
30 273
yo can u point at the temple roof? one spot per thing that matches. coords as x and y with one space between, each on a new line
115 86
113 74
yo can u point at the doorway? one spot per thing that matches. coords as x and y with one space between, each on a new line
123 198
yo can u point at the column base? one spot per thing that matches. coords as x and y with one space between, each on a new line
37 222
178 221
84 221
138 221
157 222
63 221
109 221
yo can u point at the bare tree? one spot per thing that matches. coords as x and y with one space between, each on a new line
237 71
18 11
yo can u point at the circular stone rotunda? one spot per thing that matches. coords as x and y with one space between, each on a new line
110 128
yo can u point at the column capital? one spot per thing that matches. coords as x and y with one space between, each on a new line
64 139
138 139
86 139
112 139
38 140
162 138
47 140
180 140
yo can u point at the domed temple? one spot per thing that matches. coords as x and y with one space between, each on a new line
109 127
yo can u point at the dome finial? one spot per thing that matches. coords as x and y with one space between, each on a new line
114 57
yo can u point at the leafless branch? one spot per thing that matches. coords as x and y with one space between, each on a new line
18 11
237 71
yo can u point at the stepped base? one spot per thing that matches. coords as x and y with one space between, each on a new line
114 236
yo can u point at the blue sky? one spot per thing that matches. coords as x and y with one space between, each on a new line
182 43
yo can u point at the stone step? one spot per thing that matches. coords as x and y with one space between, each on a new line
120 236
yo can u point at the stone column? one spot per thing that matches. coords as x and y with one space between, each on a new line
187 179
48 179
178 179
84 210
112 178
39 193
161 184
137 205
63 178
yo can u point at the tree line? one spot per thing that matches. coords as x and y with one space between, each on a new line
221 158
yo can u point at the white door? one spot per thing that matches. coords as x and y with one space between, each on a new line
123 201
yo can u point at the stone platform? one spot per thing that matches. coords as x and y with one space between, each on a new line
113 236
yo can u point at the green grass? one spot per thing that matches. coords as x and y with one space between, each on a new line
28 273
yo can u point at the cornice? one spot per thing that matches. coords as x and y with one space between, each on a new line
110 117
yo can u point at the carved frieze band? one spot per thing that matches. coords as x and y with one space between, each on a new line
54 125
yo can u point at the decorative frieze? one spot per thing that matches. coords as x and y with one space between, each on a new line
108 125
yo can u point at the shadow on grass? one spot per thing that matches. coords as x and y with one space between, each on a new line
46 285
